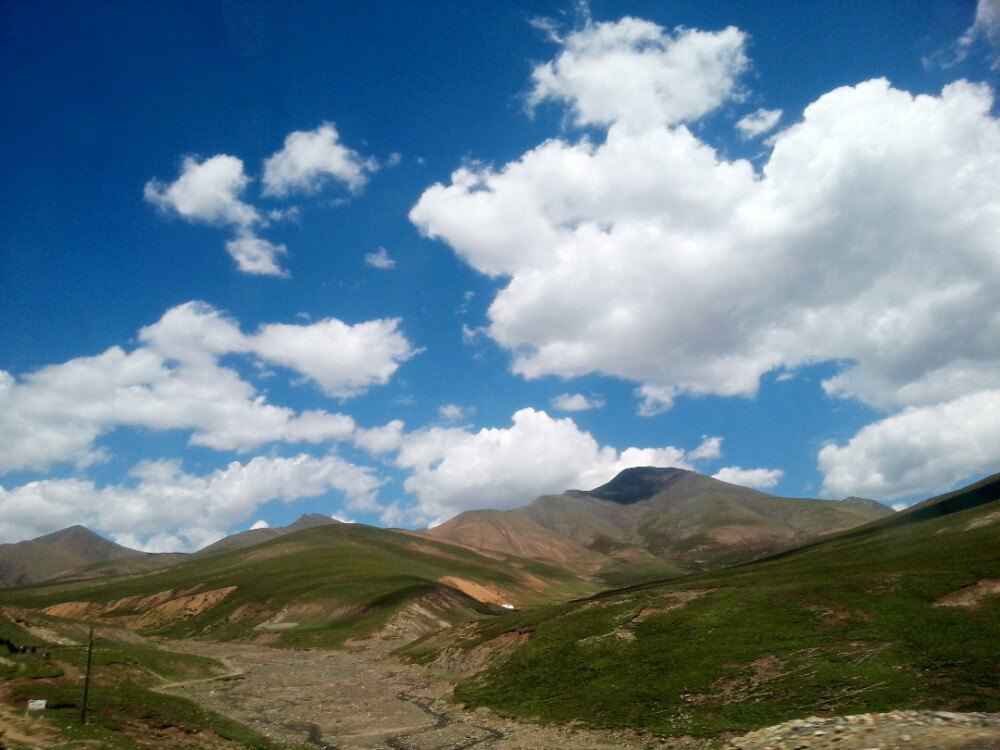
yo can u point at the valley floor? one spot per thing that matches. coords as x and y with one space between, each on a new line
368 700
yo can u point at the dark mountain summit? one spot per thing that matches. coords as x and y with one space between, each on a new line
638 484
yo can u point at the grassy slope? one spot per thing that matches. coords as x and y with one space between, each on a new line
123 707
345 581
845 626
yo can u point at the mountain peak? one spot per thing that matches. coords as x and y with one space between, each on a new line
309 520
866 502
72 533
639 483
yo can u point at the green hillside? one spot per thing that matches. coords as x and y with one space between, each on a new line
316 587
43 658
901 613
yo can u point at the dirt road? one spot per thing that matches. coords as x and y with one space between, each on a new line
354 699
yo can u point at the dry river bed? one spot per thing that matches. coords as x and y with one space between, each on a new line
366 700
360 699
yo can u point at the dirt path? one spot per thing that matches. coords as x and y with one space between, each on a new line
342 700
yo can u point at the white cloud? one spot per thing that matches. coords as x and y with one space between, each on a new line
576 402
384 439
454 412
260 524
985 26
380 259
162 508
344 359
656 399
868 238
174 381
256 255
759 122
917 451
711 447
209 191
636 72
454 469
309 158
761 479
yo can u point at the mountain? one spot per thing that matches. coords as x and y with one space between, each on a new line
256 536
24 563
866 502
145 562
318 586
647 515
902 612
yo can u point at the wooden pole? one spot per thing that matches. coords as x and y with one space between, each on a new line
86 679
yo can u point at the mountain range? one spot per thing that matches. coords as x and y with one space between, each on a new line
646 522
653 521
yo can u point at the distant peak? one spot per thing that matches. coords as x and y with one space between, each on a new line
72 532
309 520
639 483
866 502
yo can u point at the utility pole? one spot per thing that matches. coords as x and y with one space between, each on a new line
86 679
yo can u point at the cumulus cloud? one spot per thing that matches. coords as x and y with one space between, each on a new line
380 259
256 255
454 468
857 243
760 479
384 439
209 191
343 359
636 72
576 402
174 381
919 450
759 122
711 447
162 508
310 158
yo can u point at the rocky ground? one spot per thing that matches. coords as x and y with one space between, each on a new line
359 700
896 730
367 700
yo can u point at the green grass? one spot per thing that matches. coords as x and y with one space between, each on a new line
845 626
123 705
120 711
344 581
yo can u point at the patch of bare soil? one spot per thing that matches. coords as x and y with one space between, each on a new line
971 596
670 601
751 682
19 731
160 608
478 591
896 730
360 700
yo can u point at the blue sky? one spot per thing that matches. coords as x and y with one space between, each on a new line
97 102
